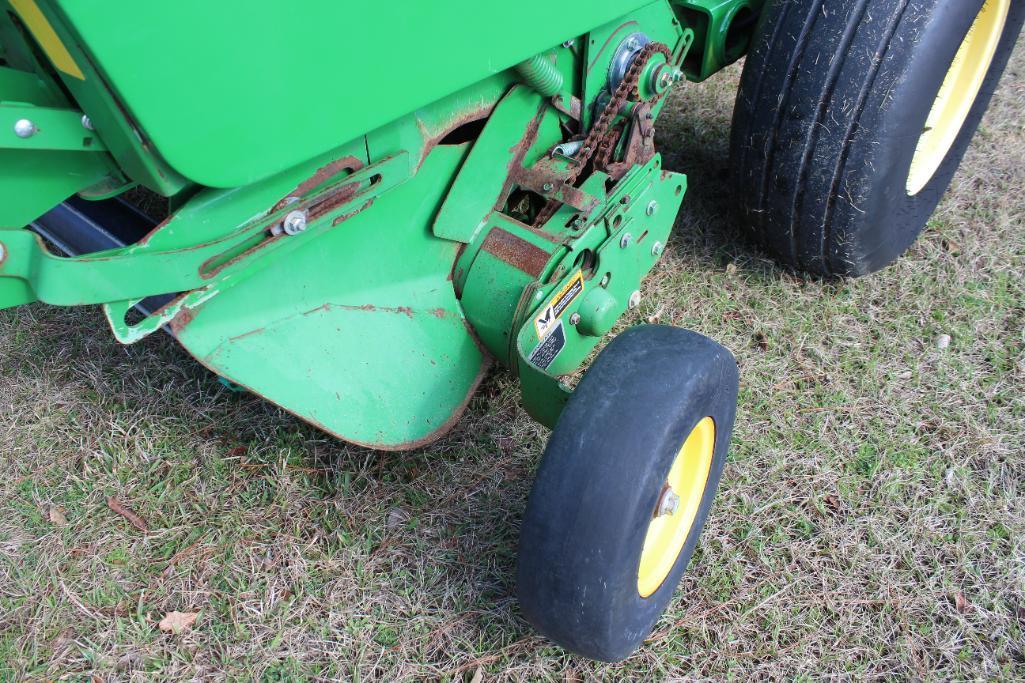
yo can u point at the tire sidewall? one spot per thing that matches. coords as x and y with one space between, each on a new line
915 66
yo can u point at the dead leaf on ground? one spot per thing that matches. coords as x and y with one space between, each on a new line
176 622
960 602
57 517
133 518
478 675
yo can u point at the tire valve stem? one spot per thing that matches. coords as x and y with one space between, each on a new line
668 503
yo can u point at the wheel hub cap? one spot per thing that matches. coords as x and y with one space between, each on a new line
677 507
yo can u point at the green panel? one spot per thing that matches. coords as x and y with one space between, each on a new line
480 182
231 93
32 182
379 356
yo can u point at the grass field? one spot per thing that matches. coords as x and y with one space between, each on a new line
870 522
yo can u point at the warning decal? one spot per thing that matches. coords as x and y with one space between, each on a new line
549 349
546 320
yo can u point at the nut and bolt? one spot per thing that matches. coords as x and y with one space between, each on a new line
87 123
574 319
657 248
569 43
652 208
548 187
294 223
625 200
24 128
625 241
635 300
604 280
668 504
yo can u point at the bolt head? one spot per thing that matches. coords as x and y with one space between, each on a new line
652 208
657 248
635 300
87 123
668 504
604 280
625 240
3 253
569 43
24 128
548 187
294 223
574 319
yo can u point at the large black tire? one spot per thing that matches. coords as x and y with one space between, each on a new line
834 98
602 479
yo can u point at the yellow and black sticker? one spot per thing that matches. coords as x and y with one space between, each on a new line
545 353
545 321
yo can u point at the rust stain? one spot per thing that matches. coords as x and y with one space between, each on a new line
182 320
516 251
333 200
323 174
433 138
347 216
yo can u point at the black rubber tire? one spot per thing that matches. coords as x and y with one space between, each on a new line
834 97
600 479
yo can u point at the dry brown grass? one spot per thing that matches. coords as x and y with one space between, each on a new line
870 522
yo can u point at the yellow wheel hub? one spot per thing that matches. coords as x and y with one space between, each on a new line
959 91
677 507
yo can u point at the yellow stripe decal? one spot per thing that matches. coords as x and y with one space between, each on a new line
47 37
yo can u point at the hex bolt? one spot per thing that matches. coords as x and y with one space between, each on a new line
569 43
625 199
574 319
625 241
668 504
604 280
652 208
3 253
635 300
294 223
87 122
24 128
656 249
548 187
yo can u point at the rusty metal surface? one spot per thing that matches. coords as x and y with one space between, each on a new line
516 251
600 142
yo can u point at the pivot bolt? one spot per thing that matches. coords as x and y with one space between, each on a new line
625 241
668 504
652 208
635 300
87 123
574 319
294 223
656 249
24 128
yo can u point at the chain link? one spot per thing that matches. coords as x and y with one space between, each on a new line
601 141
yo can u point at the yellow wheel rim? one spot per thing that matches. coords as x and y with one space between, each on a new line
677 507
958 94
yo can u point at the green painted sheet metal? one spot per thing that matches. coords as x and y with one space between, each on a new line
226 112
482 178
360 331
